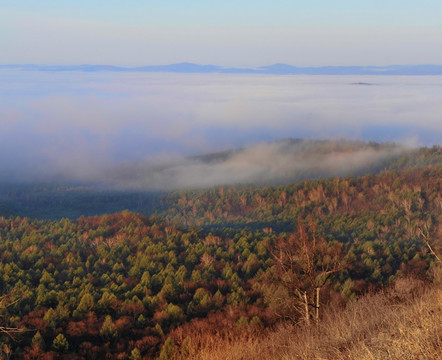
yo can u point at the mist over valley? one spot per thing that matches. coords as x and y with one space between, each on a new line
151 131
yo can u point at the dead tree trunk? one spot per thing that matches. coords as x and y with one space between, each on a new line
317 305
307 313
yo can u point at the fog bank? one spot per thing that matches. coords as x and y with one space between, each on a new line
260 164
144 130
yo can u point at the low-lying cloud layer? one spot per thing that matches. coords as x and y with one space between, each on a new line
266 163
144 130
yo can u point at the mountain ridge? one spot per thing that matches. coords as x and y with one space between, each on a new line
274 69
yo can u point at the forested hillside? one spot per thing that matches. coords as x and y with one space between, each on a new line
134 286
322 198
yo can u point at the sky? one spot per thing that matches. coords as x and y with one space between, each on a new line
229 33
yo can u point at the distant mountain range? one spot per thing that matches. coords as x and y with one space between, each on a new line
275 69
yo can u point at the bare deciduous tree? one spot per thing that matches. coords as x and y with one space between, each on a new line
304 263
431 239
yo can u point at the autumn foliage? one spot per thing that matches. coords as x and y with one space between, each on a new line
223 263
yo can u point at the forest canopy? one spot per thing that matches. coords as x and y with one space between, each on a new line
128 283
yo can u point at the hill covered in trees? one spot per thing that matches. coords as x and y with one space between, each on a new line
219 262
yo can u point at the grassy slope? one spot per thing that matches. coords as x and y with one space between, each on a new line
401 323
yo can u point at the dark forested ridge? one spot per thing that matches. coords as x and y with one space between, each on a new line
55 201
240 258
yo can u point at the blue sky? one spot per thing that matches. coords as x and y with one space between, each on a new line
134 32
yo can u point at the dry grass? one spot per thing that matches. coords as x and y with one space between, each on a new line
403 323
